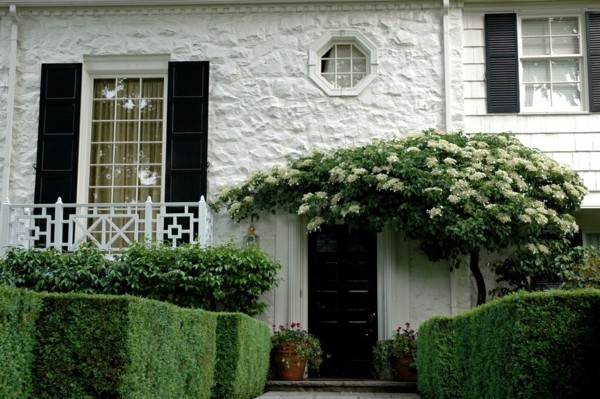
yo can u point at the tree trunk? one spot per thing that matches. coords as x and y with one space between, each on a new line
474 266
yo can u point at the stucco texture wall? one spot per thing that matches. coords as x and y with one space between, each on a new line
263 106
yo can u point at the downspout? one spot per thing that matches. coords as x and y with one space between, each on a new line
10 102
447 77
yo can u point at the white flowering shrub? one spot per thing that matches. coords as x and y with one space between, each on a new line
453 192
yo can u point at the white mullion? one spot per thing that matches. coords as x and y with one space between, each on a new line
553 57
136 185
114 141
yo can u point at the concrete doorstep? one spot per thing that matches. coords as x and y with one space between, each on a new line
337 395
320 388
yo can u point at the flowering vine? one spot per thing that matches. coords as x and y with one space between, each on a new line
455 193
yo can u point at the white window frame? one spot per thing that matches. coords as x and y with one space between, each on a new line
122 66
324 43
582 65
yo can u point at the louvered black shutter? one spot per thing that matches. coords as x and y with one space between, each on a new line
593 48
58 133
502 63
187 124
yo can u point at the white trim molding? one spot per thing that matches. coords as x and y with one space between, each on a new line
316 50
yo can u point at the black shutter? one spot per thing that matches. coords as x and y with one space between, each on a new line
58 133
187 124
593 48
502 63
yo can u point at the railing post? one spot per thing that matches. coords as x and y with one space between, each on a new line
4 226
202 222
148 220
58 217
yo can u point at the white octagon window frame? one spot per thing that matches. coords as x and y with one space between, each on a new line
324 43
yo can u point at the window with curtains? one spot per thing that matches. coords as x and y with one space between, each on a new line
551 62
126 149
542 63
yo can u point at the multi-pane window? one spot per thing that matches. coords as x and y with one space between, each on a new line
551 62
126 140
343 65
593 239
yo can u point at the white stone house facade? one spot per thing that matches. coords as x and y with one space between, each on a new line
256 78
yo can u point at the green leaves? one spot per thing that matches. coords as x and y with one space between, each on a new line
453 192
214 278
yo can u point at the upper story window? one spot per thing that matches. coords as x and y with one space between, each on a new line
342 64
542 64
126 155
551 64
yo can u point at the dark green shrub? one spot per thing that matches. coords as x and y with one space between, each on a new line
171 352
122 347
382 354
244 347
531 269
582 268
218 278
526 345
84 270
82 346
19 310
440 372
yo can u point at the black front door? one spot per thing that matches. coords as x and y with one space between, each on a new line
342 301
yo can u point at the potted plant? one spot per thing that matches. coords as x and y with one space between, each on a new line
403 352
382 360
293 349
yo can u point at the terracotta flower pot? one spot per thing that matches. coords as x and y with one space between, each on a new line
403 371
287 364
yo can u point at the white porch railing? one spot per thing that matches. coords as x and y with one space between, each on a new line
109 227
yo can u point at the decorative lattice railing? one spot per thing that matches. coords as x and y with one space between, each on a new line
109 227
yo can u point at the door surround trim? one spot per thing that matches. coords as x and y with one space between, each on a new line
393 276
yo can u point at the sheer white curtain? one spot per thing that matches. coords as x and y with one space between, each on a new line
126 148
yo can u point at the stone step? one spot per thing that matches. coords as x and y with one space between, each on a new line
340 385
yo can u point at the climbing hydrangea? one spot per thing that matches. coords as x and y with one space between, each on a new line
454 192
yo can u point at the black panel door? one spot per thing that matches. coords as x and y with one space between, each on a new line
343 299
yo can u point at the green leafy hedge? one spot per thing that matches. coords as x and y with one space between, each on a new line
19 311
103 347
527 345
243 348
92 346
440 373
217 278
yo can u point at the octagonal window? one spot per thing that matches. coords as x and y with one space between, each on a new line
342 64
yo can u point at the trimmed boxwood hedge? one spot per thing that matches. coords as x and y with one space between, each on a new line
243 350
84 346
19 310
439 371
526 345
